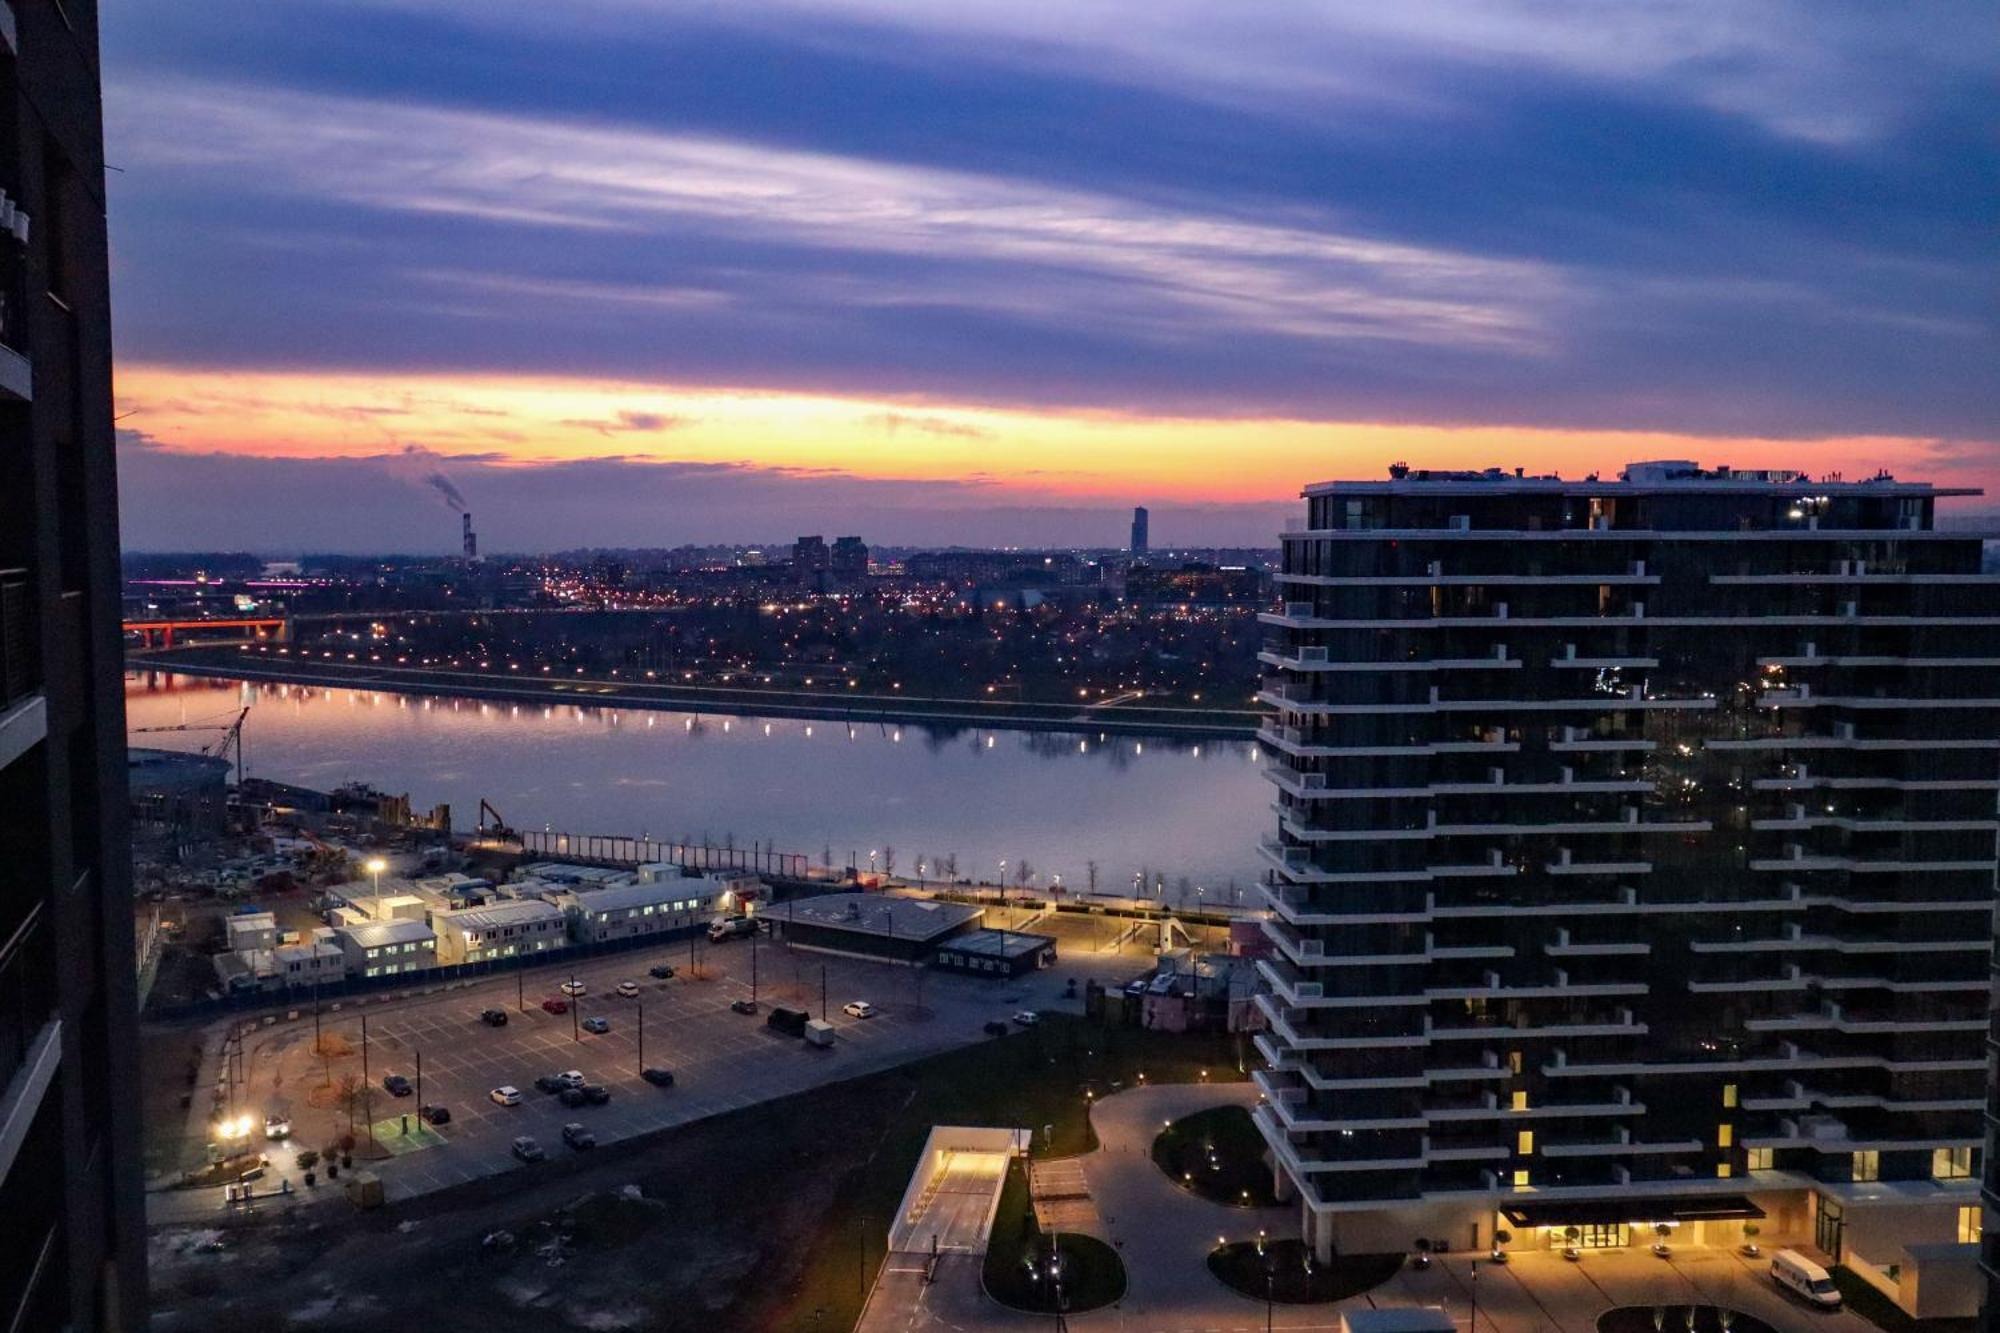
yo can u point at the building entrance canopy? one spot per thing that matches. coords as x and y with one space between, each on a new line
1604 1212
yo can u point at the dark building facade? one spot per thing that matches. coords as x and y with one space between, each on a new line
1141 539
70 1195
1634 864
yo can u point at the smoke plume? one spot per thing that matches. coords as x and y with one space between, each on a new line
421 467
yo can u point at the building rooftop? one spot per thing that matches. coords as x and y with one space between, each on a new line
999 943
522 911
378 933
621 896
878 914
1653 477
157 770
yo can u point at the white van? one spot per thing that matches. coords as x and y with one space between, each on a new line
1800 1275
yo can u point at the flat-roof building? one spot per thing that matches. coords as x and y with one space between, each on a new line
626 911
386 948
1634 853
871 925
498 930
996 953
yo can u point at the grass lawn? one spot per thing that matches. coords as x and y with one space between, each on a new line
1243 1269
1092 1274
1857 1295
1219 1155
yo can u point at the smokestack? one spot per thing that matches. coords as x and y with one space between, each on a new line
471 537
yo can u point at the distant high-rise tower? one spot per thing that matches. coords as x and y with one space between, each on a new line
471 538
1139 517
71 1189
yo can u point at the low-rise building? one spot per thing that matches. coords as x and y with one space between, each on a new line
250 930
386 948
996 953
628 910
316 961
498 930
871 925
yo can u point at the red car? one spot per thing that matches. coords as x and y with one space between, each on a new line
556 1005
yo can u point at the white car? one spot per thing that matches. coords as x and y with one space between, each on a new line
858 1009
277 1127
628 989
571 1078
574 988
506 1096
1027 1018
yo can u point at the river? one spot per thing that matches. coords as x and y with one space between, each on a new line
1061 800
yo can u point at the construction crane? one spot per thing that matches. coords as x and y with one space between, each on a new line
232 735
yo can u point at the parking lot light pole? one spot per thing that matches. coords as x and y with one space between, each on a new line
520 990
642 1034
420 1079
574 1008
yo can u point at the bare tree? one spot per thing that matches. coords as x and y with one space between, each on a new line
950 864
1090 873
888 861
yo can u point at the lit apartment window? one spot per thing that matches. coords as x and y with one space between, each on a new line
1951 1163
1758 1159
1729 1096
1725 1136
1971 1224
1521 1180
1723 1170
1868 1165
1514 1061
1524 1142
1520 1100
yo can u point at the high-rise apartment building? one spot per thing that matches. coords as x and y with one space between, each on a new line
70 1200
1140 538
1634 866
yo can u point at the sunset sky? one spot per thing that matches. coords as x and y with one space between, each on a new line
634 272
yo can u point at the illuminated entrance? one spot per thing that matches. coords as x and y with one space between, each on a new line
1610 1224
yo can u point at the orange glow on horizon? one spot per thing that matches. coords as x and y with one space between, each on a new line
1053 454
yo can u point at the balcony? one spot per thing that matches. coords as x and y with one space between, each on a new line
20 663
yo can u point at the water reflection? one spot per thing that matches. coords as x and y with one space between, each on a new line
1165 809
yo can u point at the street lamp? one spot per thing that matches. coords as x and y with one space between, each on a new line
375 866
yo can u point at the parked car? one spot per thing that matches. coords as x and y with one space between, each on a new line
573 988
659 1078
528 1150
598 1025
506 1096
493 1018
577 1137
437 1115
743 1006
997 1029
277 1127
397 1085
549 1083
571 1078
858 1009
555 1005
596 1094
628 989
574 1097
662 971
791 1022
1027 1018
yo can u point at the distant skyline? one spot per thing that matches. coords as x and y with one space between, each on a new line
646 273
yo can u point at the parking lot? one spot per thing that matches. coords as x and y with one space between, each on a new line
721 1060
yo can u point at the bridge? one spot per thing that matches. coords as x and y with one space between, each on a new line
263 627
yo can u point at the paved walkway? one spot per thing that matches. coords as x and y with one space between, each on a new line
1164 1235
